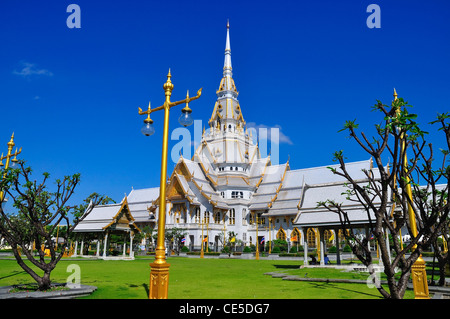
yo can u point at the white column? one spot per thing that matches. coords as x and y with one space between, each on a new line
124 246
105 244
75 254
305 246
98 248
322 246
81 249
131 244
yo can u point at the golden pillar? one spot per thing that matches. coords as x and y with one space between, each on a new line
257 239
202 251
159 273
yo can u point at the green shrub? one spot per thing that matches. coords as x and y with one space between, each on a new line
332 249
282 244
247 249
276 250
184 249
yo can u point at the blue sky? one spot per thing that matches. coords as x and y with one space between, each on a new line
71 95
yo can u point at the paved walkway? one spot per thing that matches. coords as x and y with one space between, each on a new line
437 292
83 290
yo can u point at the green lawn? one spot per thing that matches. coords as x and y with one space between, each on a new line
194 278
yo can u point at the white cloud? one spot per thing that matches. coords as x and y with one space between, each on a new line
30 69
282 138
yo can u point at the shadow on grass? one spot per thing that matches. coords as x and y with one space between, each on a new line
287 266
331 285
147 290
13 274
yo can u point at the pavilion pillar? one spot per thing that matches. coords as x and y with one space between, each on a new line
105 244
124 246
81 248
98 248
322 246
338 248
75 253
305 246
131 244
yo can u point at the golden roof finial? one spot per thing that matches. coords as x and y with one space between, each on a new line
395 94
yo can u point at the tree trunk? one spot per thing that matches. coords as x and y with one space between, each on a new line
44 282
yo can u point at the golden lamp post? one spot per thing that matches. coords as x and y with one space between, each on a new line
257 239
8 156
418 272
202 252
159 274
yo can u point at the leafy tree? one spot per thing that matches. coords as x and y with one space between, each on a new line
174 236
37 213
408 184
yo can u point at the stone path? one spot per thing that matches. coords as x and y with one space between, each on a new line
437 291
83 290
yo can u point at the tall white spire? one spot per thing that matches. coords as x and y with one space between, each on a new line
227 63
227 111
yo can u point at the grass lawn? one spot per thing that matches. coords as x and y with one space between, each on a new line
194 278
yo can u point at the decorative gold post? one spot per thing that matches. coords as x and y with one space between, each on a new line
159 274
418 272
202 252
257 239
270 236
8 156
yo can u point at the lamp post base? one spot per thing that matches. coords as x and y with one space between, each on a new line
419 279
159 281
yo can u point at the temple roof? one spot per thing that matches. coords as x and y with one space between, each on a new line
116 217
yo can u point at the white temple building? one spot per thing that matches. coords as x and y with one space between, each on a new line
227 186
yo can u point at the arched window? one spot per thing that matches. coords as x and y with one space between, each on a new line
311 237
327 235
217 218
206 217
232 217
197 215
281 234
295 236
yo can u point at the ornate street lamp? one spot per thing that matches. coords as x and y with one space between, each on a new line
159 274
13 161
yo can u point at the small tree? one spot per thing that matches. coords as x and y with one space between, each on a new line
174 236
396 191
38 212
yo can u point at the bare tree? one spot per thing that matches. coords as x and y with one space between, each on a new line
37 211
396 191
